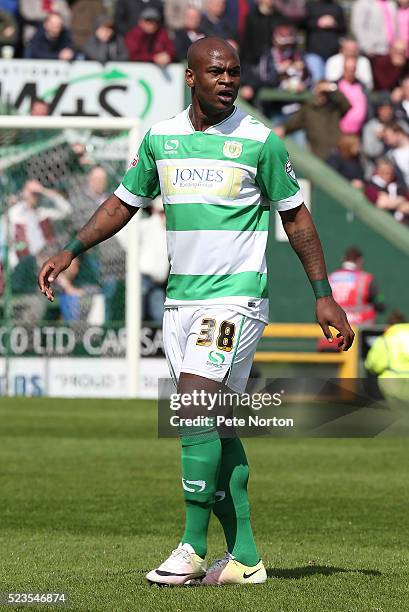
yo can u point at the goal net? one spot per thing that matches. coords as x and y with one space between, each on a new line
54 173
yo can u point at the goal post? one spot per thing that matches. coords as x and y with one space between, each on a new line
40 143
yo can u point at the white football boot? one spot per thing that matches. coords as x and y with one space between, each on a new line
181 567
230 571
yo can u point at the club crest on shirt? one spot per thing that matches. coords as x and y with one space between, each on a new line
232 149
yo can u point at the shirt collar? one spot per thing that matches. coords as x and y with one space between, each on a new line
211 127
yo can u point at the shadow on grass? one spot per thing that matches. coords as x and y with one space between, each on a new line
296 573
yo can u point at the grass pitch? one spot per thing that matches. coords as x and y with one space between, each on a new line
90 500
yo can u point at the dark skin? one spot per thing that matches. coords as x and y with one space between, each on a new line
213 74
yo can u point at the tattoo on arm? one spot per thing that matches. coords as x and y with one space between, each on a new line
107 220
307 245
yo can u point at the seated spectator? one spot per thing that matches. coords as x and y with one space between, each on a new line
346 159
283 64
8 34
128 12
389 69
334 67
397 140
387 193
214 22
373 145
374 25
34 12
84 14
149 41
401 98
353 120
105 45
258 31
291 9
51 41
324 25
188 34
283 67
175 12
403 22
320 118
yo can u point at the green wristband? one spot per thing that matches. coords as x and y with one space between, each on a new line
75 246
322 288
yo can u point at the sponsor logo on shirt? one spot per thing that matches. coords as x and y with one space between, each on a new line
200 175
232 149
219 181
171 145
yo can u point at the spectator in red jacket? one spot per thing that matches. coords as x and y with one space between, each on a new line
149 41
389 69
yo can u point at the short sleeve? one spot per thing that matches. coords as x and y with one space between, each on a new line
275 175
140 184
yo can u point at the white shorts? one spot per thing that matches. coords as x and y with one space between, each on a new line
215 342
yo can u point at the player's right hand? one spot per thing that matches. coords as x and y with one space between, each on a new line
50 271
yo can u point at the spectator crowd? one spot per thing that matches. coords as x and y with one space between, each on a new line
332 74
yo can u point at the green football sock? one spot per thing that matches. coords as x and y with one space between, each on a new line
201 455
232 506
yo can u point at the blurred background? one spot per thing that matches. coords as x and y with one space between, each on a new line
331 78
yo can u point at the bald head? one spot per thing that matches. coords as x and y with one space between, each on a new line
209 48
213 75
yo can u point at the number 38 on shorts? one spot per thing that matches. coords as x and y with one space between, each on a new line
213 342
225 334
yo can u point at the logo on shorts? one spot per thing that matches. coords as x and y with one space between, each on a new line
216 358
232 149
171 146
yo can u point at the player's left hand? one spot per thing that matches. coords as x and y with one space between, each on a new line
328 312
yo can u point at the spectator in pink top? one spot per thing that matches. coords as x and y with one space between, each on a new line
353 90
403 22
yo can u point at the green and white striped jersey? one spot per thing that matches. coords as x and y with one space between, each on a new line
216 187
